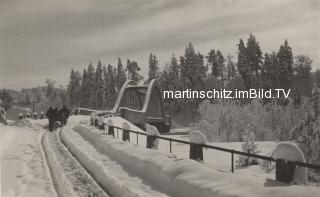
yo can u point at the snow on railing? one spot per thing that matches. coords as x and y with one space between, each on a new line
280 162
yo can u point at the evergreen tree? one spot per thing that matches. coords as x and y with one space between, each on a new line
231 68
193 70
133 71
74 90
174 74
221 67
212 61
317 78
266 72
120 75
85 87
91 84
285 67
153 67
243 65
254 57
193 75
110 86
99 86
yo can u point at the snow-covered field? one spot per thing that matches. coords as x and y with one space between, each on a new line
124 169
213 158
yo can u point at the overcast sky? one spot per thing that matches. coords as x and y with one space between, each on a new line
42 39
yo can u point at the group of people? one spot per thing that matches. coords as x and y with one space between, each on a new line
57 117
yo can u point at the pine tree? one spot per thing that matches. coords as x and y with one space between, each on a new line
285 69
193 70
70 88
110 86
254 57
231 68
221 67
91 84
317 78
120 75
153 67
85 94
266 74
74 88
193 75
243 65
174 74
212 61
99 86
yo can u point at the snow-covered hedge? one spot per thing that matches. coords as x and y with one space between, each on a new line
184 177
227 120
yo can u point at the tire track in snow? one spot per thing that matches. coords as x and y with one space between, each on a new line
83 185
117 179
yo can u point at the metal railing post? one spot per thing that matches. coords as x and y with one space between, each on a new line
170 145
137 139
232 161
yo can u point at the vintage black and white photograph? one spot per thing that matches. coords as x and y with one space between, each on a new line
156 98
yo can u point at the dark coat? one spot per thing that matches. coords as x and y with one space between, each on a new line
65 112
50 113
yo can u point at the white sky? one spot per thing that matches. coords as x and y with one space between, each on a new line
44 39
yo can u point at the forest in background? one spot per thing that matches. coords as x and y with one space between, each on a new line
282 119
96 87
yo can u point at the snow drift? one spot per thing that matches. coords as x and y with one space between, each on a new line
184 177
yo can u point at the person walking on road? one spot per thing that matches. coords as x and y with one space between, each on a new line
64 113
50 116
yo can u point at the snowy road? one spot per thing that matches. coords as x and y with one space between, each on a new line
83 161
24 172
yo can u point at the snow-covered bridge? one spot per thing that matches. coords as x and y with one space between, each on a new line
139 104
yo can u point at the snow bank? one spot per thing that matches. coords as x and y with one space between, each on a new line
105 171
125 126
197 137
62 185
184 177
152 130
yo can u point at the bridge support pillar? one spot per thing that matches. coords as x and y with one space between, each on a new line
125 135
284 170
111 130
196 152
151 141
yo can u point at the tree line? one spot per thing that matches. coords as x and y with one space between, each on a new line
97 87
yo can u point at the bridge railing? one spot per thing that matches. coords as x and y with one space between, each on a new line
231 151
